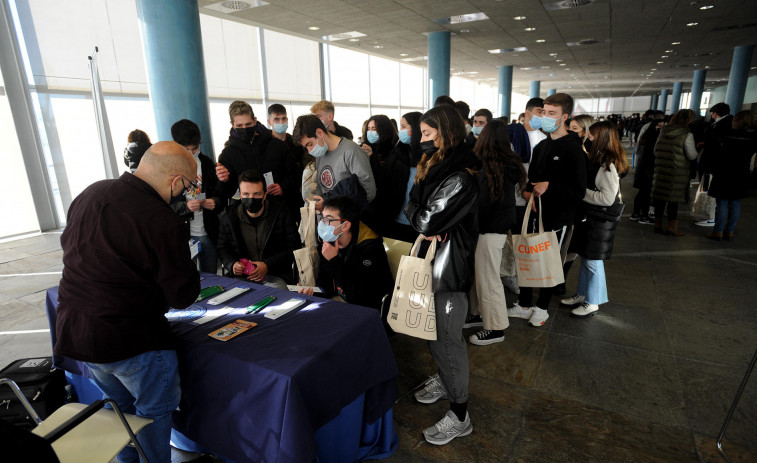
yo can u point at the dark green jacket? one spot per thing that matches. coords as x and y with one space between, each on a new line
671 168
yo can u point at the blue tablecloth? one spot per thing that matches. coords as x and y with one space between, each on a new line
263 395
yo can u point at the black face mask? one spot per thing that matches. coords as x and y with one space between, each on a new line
428 147
245 133
252 205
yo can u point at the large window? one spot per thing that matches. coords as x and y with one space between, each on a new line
349 76
293 68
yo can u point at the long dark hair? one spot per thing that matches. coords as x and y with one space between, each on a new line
606 149
496 155
414 120
387 131
451 129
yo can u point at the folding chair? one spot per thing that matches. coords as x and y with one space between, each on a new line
78 433
732 410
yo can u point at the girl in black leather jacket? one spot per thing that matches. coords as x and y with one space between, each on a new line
443 206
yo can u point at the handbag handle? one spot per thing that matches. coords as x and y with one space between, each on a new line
417 246
524 227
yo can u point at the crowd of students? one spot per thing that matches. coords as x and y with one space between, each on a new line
464 182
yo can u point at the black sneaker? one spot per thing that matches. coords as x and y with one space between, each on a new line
646 221
473 321
486 337
635 217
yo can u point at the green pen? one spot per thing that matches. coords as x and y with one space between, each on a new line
258 306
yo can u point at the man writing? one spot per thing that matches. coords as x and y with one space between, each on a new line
126 260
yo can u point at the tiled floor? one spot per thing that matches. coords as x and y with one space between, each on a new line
650 378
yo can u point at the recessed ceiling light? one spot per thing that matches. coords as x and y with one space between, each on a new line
553 54
692 24
464 31
540 41
706 7
530 29
378 46
403 54
653 69
313 28
675 43
568 69
668 51
659 62
558 61
354 40
753 67
519 18
664 56
562 64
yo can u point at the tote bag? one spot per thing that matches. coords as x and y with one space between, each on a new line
307 258
411 310
537 255
704 204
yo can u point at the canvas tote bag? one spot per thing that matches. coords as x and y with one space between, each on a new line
306 258
411 310
537 255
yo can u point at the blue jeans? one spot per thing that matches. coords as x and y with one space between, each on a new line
207 257
591 281
730 208
145 385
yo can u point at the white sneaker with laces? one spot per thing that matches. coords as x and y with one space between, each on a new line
584 310
706 223
539 317
572 301
448 428
432 392
517 311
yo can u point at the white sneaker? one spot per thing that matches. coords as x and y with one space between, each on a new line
432 392
572 301
584 310
539 317
517 311
447 429
706 223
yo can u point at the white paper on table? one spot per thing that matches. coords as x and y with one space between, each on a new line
212 314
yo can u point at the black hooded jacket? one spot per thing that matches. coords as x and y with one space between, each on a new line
264 154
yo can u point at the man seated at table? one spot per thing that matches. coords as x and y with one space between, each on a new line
353 260
126 260
261 230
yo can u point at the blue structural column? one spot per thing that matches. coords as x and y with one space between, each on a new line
663 100
438 65
655 99
534 89
697 88
551 91
175 66
742 59
676 103
505 90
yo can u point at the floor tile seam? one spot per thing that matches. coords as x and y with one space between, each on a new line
707 315
615 344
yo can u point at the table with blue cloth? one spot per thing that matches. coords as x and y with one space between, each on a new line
316 384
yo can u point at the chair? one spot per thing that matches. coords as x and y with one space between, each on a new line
78 433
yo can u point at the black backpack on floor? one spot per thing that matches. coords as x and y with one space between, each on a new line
43 386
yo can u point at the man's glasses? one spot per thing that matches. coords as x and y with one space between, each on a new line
191 182
328 221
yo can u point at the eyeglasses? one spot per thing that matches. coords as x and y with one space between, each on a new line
328 221
191 182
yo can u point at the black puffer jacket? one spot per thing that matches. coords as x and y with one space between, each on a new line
264 154
445 203
596 236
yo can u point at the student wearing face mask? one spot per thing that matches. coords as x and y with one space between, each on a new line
480 119
580 125
396 180
443 206
557 176
336 161
260 230
379 138
251 146
200 206
353 260
324 110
